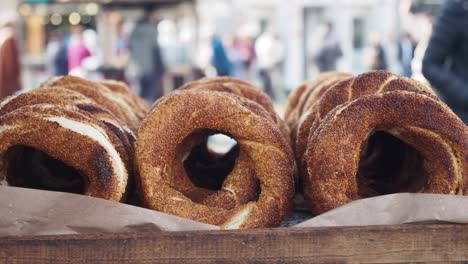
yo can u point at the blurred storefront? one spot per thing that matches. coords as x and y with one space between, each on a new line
105 24
290 34
299 24
177 35
357 24
41 24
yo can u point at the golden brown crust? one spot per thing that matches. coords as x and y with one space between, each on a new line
239 187
312 95
235 86
314 92
257 137
257 101
309 90
100 94
138 104
68 95
243 89
345 91
44 127
419 120
119 134
293 100
364 84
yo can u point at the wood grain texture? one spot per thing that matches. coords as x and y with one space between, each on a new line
377 244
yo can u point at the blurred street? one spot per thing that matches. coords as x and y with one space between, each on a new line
156 46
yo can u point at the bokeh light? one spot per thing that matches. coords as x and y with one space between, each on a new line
74 18
56 19
24 9
92 9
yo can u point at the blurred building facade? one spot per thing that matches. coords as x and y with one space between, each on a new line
300 24
186 28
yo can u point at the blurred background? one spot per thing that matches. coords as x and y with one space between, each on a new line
155 46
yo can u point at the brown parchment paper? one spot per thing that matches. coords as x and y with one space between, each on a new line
27 212
395 209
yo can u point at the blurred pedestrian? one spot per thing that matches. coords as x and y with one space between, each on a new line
246 53
61 58
220 58
445 63
376 57
380 59
406 47
270 53
77 50
238 69
121 44
10 67
56 50
329 51
145 53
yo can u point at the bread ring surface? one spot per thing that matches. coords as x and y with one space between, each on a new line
85 107
138 104
309 89
345 91
259 140
335 150
239 186
71 137
70 96
100 94
311 96
235 86
243 89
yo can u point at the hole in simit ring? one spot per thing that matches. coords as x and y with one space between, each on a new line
389 165
211 161
31 168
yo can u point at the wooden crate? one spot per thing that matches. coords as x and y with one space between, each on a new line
376 244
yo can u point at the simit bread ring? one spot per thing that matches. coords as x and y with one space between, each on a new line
100 94
245 90
364 84
67 99
224 181
258 138
228 192
337 150
232 190
46 146
348 90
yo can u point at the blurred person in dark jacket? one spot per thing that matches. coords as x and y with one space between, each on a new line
10 67
61 58
145 53
56 50
380 59
330 50
406 47
220 58
445 63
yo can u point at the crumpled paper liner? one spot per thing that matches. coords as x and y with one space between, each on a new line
27 212
393 209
